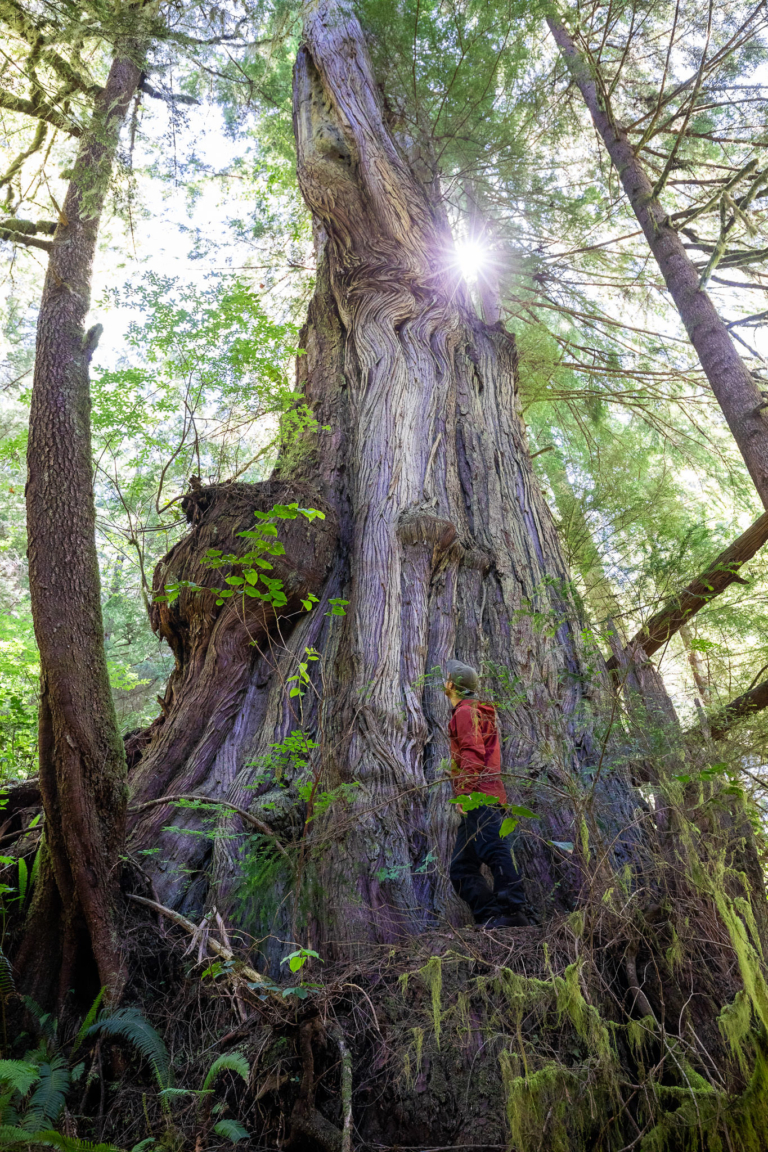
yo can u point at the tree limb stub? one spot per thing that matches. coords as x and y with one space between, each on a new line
721 573
18 237
254 821
168 97
745 705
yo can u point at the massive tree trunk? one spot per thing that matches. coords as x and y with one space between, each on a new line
735 389
438 536
71 938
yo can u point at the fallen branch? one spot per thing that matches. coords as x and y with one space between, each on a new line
346 1087
254 821
220 949
721 573
745 705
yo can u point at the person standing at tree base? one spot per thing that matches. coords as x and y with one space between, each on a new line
476 767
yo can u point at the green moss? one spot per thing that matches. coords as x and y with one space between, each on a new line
538 1106
584 1017
639 1032
432 975
735 1023
675 953
418 1043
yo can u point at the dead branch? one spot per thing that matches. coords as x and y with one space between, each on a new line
722 572
220 949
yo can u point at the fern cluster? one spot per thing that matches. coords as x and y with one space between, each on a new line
33 1090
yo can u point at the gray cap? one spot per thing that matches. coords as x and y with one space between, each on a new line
463 678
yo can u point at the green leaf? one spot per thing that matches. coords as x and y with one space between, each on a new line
521 810
23 877
11 1137
231 1130
508 826
47 1101
236 580
474 800
90 1016
563 845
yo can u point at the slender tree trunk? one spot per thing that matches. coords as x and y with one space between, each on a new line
698 669
736 391
600 596
70 936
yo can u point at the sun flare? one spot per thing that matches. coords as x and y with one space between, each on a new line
471 258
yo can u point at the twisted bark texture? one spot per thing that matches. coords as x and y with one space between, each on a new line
70 936
735 389
436 533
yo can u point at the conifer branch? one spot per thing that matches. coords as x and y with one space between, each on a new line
46 112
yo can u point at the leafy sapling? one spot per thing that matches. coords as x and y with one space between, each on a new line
250 579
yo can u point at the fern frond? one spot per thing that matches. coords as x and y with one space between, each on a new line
11 1137
128 1024
175 1093
231 1062
8 1114
19 1075
47 1100
90 1016
45 1021
231 1130
36 862
7 986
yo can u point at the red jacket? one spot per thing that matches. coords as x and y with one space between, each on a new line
475 750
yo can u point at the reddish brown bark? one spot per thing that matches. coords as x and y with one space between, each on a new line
736 391
755 700
71 935
721 573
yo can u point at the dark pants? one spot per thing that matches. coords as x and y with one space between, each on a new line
478 842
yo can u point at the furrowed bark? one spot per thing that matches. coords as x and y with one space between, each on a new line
445 546
735 390
755 700
721 573
70 936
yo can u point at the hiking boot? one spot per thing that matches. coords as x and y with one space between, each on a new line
514 919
